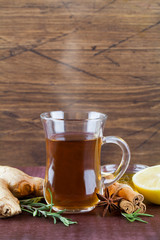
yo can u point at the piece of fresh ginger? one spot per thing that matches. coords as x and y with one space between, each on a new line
9 205
15 184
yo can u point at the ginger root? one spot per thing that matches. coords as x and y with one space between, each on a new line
9 205
15 184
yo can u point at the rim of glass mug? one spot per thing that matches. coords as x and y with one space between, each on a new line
73 115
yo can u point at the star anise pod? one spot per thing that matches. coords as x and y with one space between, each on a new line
108 201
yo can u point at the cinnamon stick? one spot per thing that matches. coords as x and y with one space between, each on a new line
126 192
140 206
131 201
127 206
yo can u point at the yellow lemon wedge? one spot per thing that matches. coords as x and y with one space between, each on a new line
147 182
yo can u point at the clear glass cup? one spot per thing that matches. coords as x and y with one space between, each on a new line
73 147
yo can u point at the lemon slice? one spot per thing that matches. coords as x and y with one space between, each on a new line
147 182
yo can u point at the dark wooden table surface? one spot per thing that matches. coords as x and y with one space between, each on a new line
90 225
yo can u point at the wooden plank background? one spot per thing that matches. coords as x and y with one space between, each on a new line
100 55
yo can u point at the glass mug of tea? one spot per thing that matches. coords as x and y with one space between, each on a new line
73 147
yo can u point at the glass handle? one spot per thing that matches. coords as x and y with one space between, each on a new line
124 161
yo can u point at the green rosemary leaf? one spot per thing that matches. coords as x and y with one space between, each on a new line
131 219
36 208
55 214
65 221
27 207
61 211
136 212
31 200
23 209
128 215
140 220
35 213
135 216
51 200
43 213
54 219
145 214
71 222
38 205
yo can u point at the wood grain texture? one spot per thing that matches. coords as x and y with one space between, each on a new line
96 55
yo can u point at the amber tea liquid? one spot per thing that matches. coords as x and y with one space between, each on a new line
73 170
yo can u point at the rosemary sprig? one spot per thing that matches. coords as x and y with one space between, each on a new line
135 216
36 208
